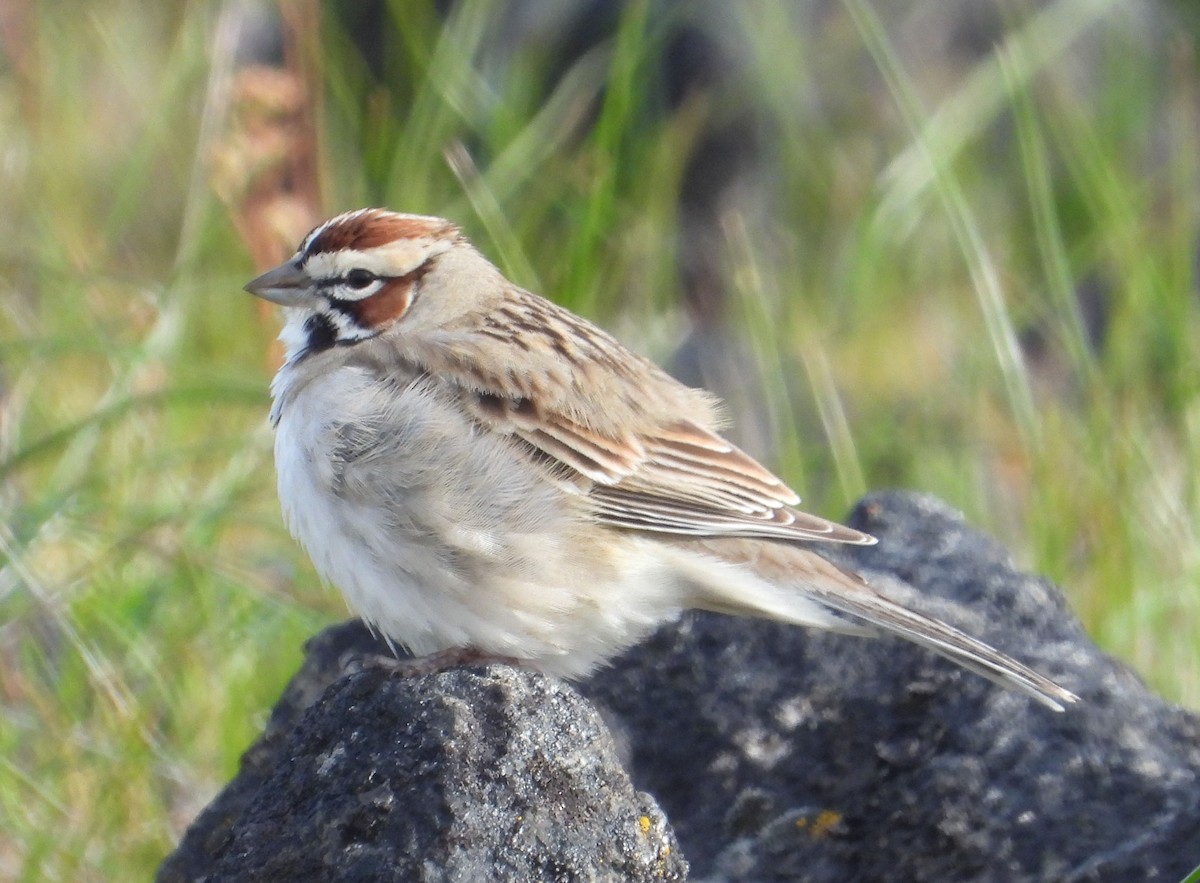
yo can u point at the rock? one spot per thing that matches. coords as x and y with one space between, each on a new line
327 657
777 753
474 774
784 754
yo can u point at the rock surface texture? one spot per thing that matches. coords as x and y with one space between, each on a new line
777 753
466 775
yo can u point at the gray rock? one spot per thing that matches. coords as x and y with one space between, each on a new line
778 753
782 754
474 774
327 657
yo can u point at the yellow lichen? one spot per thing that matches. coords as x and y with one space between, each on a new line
825 822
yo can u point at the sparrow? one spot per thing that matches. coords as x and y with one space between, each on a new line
480 470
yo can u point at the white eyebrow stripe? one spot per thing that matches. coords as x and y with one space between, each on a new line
397 258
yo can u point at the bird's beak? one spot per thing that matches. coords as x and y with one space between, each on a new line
286 285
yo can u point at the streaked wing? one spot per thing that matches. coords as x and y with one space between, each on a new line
679 478
694 482
610 423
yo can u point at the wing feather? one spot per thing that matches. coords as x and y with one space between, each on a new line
701 486
609 423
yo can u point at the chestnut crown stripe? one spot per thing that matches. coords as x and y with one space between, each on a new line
371 228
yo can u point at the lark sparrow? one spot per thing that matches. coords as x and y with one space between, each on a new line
478 468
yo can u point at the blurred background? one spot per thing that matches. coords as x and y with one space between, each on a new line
948 246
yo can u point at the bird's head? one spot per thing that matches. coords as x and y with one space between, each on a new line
355 276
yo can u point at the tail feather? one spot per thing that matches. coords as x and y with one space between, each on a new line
791 584
867 604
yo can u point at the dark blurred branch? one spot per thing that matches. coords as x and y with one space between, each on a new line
265 166
19 42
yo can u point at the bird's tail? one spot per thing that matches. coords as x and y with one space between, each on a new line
792 584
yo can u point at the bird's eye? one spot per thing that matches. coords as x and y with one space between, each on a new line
360 279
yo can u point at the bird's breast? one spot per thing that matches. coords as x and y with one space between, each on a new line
391 474
444 533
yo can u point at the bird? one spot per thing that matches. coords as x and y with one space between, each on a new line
485 474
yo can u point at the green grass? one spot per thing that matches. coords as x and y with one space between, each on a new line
918 219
